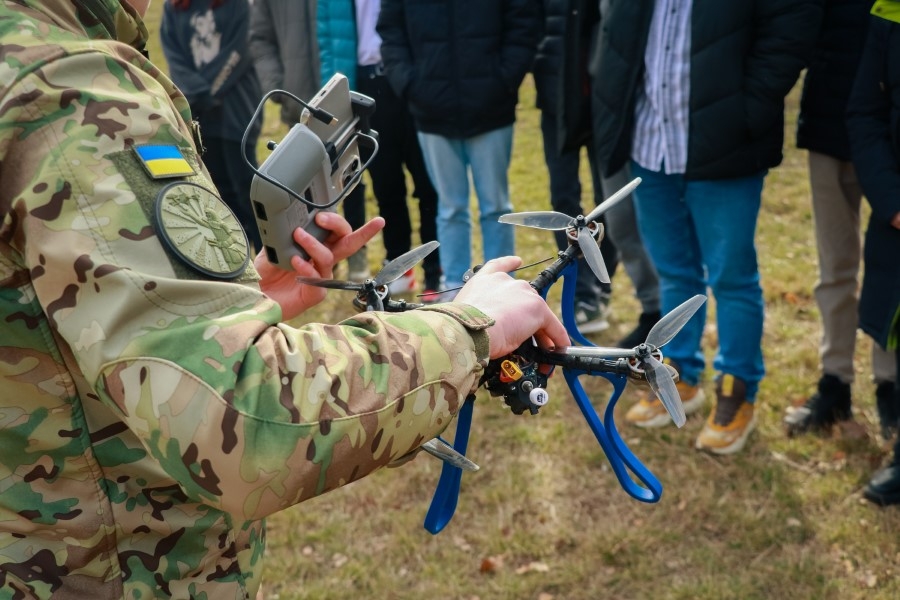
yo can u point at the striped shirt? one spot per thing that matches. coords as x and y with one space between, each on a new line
662 109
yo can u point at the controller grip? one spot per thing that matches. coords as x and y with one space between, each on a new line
298 163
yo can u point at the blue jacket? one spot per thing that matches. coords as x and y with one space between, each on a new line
209 60
336 31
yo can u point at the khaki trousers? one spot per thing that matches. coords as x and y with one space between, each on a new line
836 198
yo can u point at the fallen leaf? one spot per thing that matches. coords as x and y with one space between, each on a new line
870 580
462 544
533 567
791 298
339 560
491 564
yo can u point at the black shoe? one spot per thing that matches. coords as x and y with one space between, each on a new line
825 408
886 400
884 487
639 335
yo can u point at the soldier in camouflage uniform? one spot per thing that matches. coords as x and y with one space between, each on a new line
154 408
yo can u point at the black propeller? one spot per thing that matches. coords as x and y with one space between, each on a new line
373 290
645 356
584 229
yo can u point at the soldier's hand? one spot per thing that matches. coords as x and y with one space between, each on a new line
282 285
517 309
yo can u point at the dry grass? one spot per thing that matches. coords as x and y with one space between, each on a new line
545 518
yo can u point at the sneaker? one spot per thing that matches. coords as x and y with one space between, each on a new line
406 284
886 401
639 334
432 283
649 410
731 421
884 487
358 265
829 405
591 318
430 296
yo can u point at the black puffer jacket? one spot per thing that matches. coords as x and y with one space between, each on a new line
561 76
550 53
821 126
458 63
873 122
745 57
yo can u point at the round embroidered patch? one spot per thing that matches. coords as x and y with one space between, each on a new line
200 229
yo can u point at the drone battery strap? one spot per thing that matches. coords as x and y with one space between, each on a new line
620 457
446 495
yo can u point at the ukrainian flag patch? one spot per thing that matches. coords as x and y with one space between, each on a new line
163 161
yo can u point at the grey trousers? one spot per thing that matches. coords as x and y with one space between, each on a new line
836 198
622 228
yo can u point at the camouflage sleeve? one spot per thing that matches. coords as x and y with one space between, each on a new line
248 414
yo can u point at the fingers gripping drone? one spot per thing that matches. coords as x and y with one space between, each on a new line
520 379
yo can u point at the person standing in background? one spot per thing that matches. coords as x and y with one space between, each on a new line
458 65
205 43
692 96
284 47
836 199
872 115
553 97
349 44
563 81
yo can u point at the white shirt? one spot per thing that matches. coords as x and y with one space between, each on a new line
662 110
368 42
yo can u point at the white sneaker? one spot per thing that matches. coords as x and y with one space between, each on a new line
591 318
405 285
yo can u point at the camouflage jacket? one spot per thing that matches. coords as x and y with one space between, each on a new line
153 408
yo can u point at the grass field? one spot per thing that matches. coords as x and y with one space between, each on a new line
545 518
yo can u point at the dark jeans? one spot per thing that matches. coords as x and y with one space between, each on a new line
398 146
565 197
233 177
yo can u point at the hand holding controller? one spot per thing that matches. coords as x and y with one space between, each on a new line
314 167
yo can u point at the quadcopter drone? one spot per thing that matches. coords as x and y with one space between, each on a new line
518 378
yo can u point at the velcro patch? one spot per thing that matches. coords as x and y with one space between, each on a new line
200 229
163 161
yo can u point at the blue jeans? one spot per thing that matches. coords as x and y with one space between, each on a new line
449 162
699 234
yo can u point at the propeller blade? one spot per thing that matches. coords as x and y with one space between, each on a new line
403 263
592 255
545 219
663 386
334 284
613 200
444 451
667 327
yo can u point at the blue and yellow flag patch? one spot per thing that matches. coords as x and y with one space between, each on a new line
163 161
